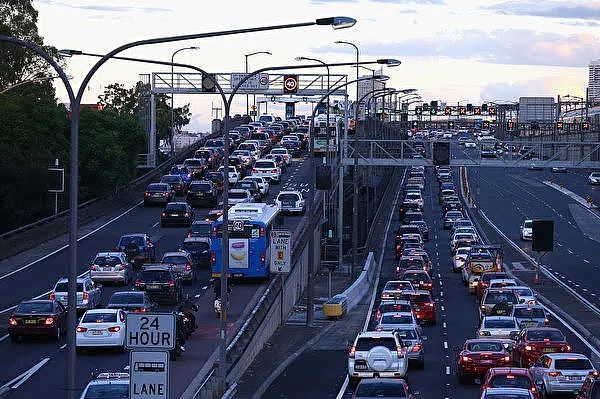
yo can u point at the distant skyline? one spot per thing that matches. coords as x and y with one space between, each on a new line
451 50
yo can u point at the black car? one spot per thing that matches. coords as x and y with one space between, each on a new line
239 163
202 193
216 178
452 206
158 193
131 301
294 147
177 213
251 186
423 227
200 228
407 206
198 248
160 283
176 182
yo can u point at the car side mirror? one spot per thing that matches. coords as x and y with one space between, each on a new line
195 308
539 383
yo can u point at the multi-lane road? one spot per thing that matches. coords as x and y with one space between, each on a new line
46 360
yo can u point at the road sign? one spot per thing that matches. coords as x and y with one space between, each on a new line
149 375
253 107
238 225
281 244
150 331
56 177
256 82
252 113
290 84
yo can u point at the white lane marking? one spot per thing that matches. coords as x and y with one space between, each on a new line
443 308
559 244
21 378
63 346
441 283
441 293
586 261
447 370
444 325
571 252
155 224
67 246
2 338
445 344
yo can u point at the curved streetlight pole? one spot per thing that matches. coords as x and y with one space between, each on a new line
172 133
246 57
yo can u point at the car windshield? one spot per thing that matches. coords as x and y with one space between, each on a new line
238 194
33 307
380 390
407 334
280 151
365 344
510 381
493 298
126 297
176 207
529 313
245 185
397 285
485 347
395 307
541 335
572 364
202 187
524 395
155 275
175 259
420 298
195 246
171 179
288 197
63 287
499 323
454 214
214 177
108 391
265 164
397 319
201 228
97 317
523 291
193 162
107 261
421 277
527 224
157 187
135 240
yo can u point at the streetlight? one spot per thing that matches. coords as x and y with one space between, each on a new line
172 133
254 96
357 62
334 22
372 85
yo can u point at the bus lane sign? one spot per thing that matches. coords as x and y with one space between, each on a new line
281 244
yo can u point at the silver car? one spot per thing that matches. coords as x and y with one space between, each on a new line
561 372
512 393
498 327
89 294
392 321
111 266
530 316
412 340
181 263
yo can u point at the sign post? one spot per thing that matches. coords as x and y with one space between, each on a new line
281 262
56 183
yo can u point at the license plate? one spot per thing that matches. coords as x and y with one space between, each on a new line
96 332
157 195
548 350
107 268
574 378
290 204
529 324
360 367
153 287
30 321
487 361
199 195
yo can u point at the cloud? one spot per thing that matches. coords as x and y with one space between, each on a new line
550 9
105 8
331 1
511 46
434 2
588 24
507 91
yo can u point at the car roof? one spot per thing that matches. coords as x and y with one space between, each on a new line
290 192
394 302
397 314
508 390
566 355
498 318
196 239
134 235
38 301
375 334
509 370
79 279
475 340
176 253
177 203
109 253
102 311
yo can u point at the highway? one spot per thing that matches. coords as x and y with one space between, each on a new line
47 359
320 372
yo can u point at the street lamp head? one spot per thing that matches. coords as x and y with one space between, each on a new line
300 58
389 62
407 91
337 22
69 52
381 78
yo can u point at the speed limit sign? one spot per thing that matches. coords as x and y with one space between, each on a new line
290 84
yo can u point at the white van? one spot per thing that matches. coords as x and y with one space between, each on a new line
266 118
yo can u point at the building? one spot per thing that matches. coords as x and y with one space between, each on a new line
537 109
594 81
364 87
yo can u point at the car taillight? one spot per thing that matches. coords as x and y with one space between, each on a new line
171 283
554 373
254 170
188 266
546 322
48 321
528 348
94 267
377 315
52 296
146 194
430 304
164 214
81 329
86 296
466 359
400 352
262 232
213 257
416 348
114 329
593 373
12 321
262 257
274 171
352 352
120 266
138 282
506 358
187 215
165 194
483 308
566 348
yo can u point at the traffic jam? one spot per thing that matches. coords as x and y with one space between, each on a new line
517 350
137 275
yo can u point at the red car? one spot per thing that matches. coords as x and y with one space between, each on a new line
531 343
38 317
484 282
590 389
419 278
478 356
423 306
510 377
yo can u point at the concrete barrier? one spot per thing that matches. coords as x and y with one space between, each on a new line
362 285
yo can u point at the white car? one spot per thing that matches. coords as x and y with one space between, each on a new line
594 178
499 283
470 144
101 328
459 259
498 327
107 385
233 174
263 184
414 198
562 372
524 295
393 320
284 153
527 230
238 195
111 266
291 202
377 354
268 169
393 289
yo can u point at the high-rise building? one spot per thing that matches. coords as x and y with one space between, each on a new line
594 82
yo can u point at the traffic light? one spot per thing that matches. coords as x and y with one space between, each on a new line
433 111
476 110
462 110
486 124
448 111
560 125
441 153
425 107
491 110
418 111
469 107
434 104
510 126
414 124
484 107
209 83
585 126
450 124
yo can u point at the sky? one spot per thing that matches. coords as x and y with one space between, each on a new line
451 50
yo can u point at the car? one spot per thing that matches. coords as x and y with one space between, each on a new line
284 153
590 389
131 301
210 157
177 213
393 289
410 262
263 184
423 305
413 341
374 388
502 283
525 295
459 258
484 281
181 263
558 169
233 173
502 393
111 266
158 193
526 230
452 205
562 373
89 294
392 320
101 328
479 355
217 178
202 193
535 164
214 214
414 198
423 227
450 217
175 182
594 178
377 354
110 385
37 317
239 195
463 240
268 169
200 228
279 161
393 305
246 157
160 282
531 343
461 223
494 297
184 172
510 377
252 187
498 327
198 248
412 216
138 248
420 279
291 201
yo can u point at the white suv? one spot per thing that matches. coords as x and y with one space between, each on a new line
291 202
594 178
233 174
527 230
377 354
268 169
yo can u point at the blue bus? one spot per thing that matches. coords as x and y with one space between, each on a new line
250 225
